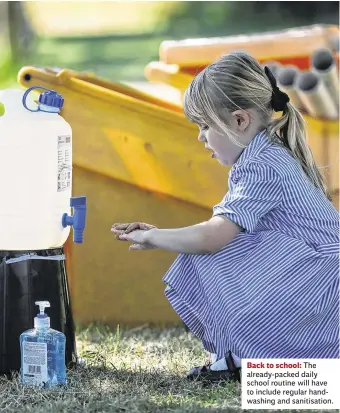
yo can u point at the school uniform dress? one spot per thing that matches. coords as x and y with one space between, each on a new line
273 291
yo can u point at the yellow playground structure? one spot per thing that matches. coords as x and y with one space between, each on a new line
136 157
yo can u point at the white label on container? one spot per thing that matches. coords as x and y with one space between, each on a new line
64 163
34 363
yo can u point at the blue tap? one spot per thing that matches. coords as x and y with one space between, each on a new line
78 220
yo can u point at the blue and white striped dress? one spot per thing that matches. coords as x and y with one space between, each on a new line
273 292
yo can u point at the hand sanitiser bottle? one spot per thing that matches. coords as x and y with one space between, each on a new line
42 352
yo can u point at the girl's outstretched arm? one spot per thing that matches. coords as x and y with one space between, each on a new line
205 238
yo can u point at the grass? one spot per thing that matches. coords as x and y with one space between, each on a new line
139 370
136 371
115 58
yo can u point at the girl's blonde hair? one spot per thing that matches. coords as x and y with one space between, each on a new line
237 81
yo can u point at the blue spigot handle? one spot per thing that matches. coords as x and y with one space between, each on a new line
78 220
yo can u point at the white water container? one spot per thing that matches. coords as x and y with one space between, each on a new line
35 170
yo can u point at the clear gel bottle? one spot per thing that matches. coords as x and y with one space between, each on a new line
42 352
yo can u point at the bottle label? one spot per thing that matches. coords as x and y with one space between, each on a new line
64 163
34 363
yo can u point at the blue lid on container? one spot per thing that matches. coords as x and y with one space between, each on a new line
51 98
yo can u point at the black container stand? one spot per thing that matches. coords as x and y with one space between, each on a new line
26 277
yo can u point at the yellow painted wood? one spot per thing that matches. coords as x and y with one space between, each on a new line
171 75
109 283
129 135
323 139
121 134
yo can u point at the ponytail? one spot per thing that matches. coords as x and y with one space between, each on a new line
290 128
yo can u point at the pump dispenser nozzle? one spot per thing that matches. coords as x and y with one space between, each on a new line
42 320
42 305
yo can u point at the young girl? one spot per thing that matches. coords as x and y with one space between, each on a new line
260 279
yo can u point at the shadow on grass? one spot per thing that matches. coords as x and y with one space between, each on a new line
97 332
98 389
95 389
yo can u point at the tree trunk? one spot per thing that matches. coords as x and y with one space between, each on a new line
21 35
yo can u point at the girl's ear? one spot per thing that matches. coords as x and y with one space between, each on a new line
241 120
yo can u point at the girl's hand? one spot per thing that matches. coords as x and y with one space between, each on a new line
138 239
127 228
133 232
